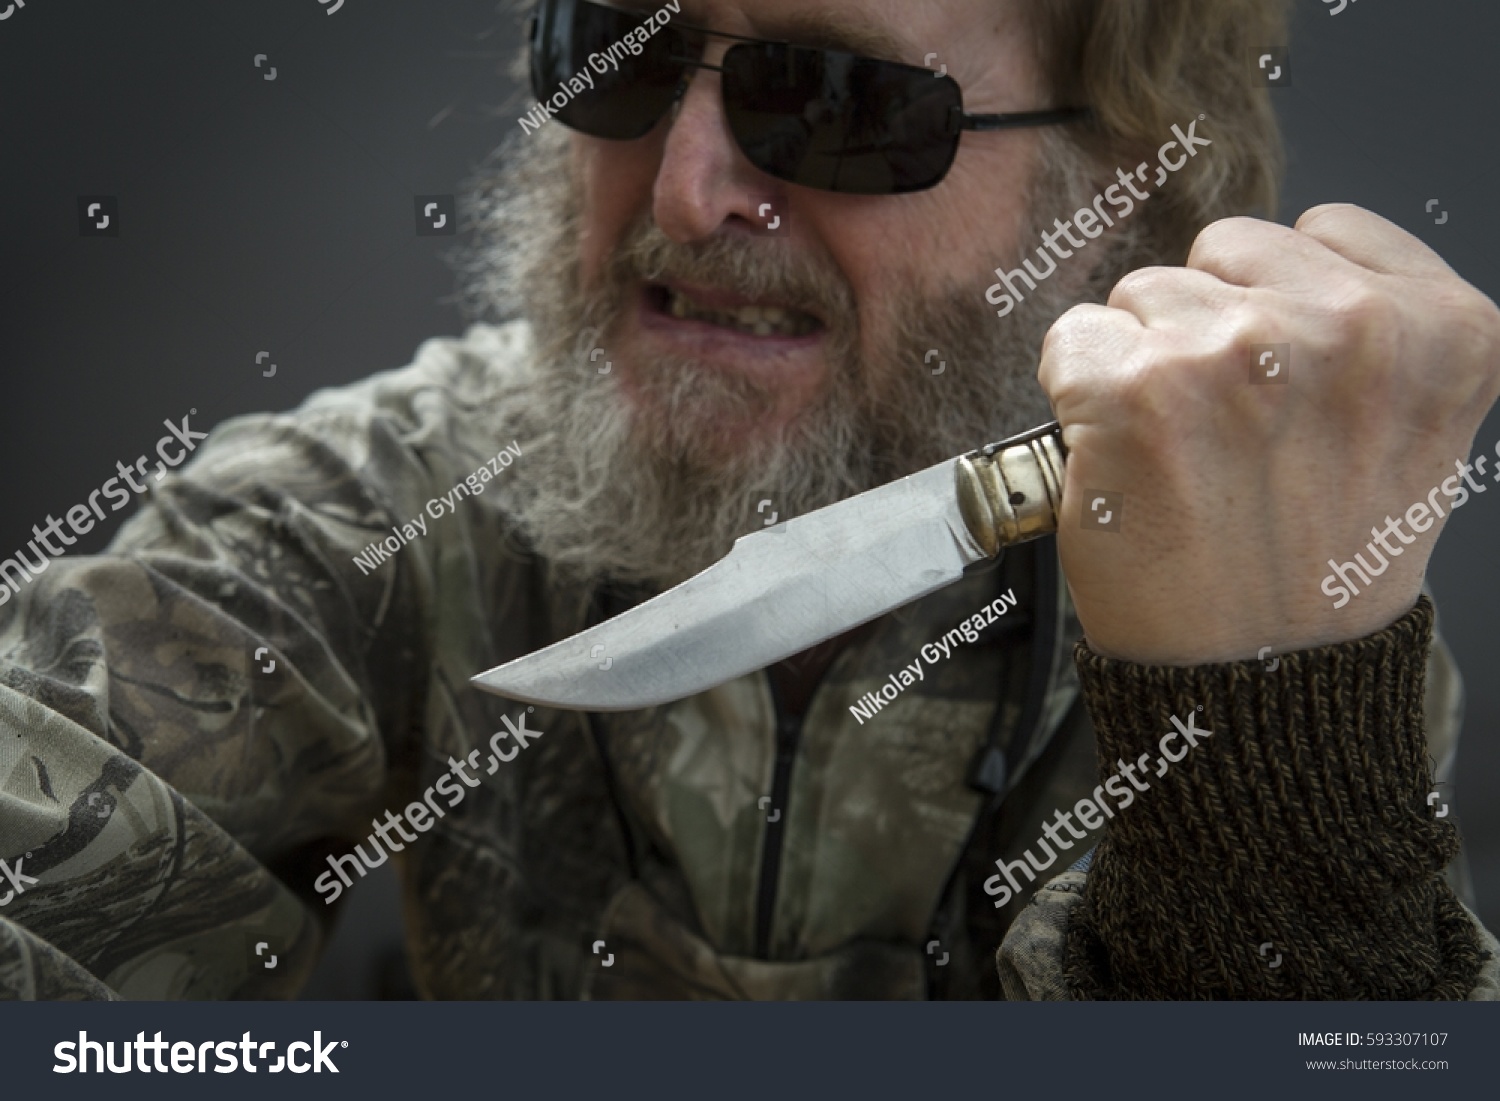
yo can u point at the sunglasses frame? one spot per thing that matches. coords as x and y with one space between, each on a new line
959 120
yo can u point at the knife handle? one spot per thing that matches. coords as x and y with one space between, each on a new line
1011 491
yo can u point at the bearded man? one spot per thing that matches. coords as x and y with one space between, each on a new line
714 284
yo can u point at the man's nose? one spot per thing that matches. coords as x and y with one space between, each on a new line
704 181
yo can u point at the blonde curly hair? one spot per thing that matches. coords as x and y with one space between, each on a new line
1144 65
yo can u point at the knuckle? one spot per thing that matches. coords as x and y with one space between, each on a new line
1364 318
1145 389
1068 330
1083 349
1329 216
1219 238
1237 351
1470 328
1052 372
1242 330
1472 314
1140 285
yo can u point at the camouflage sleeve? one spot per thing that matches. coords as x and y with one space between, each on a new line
189 720
1034 959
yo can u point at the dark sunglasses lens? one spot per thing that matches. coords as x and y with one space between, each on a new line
834 121
625 101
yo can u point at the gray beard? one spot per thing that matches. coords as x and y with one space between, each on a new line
644 494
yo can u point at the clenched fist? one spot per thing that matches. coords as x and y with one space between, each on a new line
1238 489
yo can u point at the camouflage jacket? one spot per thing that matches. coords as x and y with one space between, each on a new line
195 723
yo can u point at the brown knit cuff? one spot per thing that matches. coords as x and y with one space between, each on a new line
1291 853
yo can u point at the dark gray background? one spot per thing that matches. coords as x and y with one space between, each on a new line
278 216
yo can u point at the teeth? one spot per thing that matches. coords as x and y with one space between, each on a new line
756 320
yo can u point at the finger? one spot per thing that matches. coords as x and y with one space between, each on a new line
1176 298
1331 246
1085 346
1372 242
1247 252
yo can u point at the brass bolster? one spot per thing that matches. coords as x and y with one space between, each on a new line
1011 491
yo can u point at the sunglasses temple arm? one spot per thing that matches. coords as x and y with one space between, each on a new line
1024 118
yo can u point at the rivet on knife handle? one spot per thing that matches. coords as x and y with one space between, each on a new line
1011 491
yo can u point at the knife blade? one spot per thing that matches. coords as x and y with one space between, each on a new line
789 587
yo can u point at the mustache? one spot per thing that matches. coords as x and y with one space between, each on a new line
643 491
751 267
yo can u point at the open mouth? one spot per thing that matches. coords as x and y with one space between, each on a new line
713 308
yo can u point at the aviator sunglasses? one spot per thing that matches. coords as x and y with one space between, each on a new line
818 118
